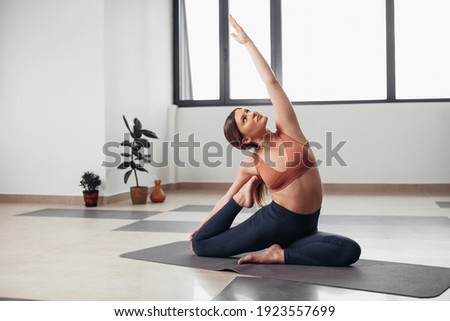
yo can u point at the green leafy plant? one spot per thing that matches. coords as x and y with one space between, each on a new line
90 182
134 159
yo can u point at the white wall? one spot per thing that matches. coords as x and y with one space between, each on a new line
403 143
51 94
138 77
68 71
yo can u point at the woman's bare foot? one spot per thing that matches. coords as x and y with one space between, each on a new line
245 196
273 255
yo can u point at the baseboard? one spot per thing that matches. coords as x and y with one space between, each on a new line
386 188
116 198
333 188
328 188
198 186
42 199
60 199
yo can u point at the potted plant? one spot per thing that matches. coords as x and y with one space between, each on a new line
135 159
90 183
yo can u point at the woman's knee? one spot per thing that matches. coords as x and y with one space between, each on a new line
347 251
352 251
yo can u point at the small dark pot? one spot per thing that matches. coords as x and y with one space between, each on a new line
90 198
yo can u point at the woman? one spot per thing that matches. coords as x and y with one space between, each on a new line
284 162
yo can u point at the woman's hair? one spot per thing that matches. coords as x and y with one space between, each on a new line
235 137
259 193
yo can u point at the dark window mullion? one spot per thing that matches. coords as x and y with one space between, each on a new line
390 51
275 39
176 56
225 53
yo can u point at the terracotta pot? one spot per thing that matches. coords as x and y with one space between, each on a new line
90 198
139 194
157 195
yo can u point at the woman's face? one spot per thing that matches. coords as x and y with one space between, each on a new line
251 124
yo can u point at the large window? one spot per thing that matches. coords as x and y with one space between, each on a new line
422 34
245 82
199 50
322 51
334 49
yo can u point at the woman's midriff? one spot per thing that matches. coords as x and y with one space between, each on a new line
303 195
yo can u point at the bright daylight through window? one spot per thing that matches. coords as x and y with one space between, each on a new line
322 51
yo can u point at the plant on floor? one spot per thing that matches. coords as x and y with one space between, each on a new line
135 159
90 183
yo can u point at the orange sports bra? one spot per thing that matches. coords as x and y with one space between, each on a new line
297 164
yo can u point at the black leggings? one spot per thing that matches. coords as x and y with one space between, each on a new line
273 224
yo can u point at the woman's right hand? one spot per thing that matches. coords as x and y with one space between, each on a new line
239 35
191 237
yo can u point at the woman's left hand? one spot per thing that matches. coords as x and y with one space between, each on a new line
239 35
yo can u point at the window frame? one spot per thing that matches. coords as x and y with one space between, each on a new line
276 62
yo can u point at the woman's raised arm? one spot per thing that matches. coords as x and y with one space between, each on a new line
285 117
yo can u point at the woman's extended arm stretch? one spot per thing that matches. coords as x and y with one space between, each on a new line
285 117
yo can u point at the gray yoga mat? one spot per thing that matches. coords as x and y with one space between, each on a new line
92 213
367 275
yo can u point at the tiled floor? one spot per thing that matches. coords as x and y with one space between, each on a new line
75 255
